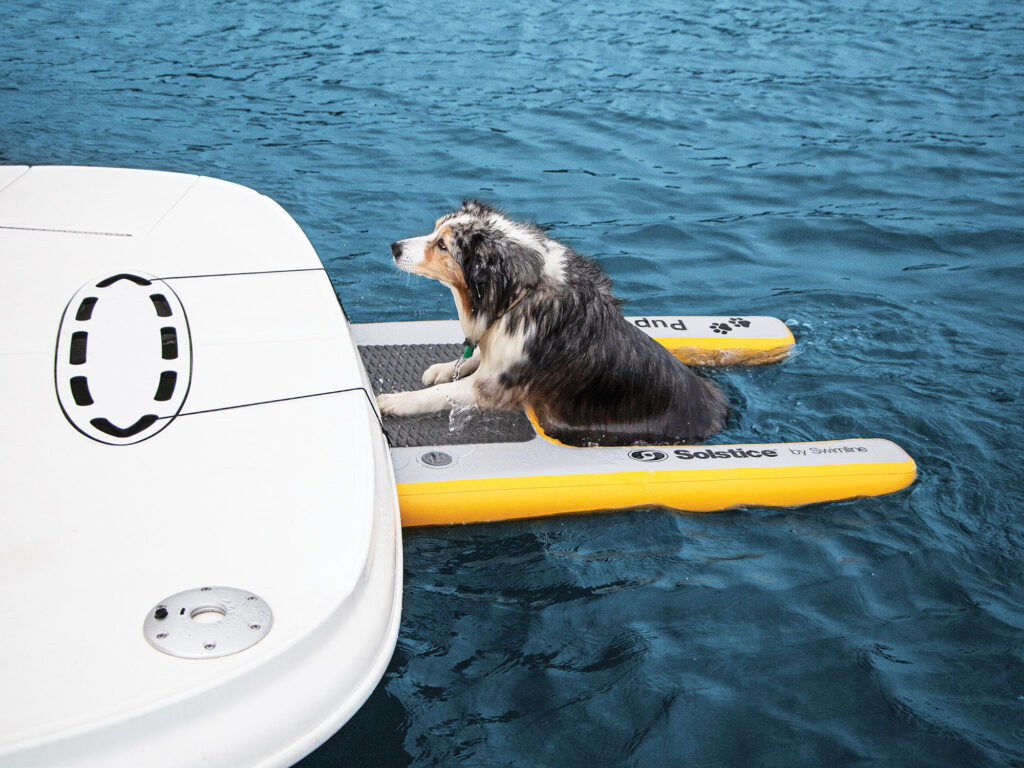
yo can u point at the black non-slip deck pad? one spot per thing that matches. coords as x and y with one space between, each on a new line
400 367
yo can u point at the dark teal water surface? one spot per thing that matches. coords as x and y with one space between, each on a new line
853 168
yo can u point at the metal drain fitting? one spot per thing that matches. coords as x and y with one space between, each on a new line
208 622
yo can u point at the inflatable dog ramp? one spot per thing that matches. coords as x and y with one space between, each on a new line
471 466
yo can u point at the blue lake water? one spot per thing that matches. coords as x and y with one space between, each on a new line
853 168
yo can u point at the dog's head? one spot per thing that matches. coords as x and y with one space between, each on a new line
486 259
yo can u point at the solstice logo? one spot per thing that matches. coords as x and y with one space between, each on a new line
647 454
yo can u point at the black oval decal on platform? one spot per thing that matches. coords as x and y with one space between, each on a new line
123 363
647 454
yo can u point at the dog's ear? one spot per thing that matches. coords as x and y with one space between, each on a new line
484 276
497 270
465 246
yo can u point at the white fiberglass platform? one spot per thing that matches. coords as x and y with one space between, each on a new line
183 407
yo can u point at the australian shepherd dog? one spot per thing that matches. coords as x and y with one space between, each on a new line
543 331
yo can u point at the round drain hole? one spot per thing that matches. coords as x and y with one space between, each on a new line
207 622
208 614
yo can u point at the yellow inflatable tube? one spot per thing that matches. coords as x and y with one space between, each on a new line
691 479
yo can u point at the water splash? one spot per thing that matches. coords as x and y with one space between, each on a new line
458 367
460 416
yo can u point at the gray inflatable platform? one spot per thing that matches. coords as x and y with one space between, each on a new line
467 465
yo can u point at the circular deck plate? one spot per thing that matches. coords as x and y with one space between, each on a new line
208 622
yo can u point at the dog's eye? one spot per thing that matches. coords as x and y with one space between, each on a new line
441 245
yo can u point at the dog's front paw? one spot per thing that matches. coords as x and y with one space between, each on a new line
438 373
390 403
406 403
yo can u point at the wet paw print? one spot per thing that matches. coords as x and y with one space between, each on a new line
739 322
721 327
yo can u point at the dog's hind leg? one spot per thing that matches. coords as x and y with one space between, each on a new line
443 372
440 397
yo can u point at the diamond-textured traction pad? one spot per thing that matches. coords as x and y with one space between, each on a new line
399 368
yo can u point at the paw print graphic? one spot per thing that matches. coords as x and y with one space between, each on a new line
721 327
739 322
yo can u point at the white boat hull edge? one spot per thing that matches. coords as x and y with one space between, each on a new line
221 436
